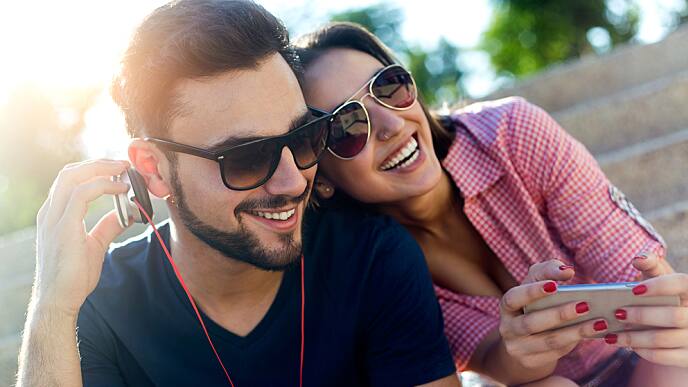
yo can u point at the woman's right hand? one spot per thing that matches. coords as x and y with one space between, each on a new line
533 339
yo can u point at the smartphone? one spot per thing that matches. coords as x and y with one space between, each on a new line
603 300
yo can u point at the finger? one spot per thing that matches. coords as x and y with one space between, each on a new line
74 175
670 357
651 265
88 192
107 229
546 319
664 285
651 338
516 298
564 337
553 269
656 316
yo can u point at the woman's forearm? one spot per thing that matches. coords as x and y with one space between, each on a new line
496 362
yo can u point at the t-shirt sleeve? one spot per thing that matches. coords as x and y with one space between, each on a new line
591 216
405 344
97 350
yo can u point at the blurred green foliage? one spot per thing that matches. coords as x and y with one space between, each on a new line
525 36
436 70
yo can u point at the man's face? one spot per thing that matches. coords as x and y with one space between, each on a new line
232 107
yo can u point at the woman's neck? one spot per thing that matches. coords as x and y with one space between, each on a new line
426 212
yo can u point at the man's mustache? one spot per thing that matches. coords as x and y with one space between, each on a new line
276 201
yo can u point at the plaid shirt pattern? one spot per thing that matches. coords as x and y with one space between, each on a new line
535 194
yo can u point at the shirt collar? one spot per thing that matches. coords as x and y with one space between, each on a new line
468 161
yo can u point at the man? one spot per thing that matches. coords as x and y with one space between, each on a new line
357 309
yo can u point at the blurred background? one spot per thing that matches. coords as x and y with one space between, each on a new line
612 72
58 57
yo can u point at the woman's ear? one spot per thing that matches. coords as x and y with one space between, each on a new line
152 165
324 187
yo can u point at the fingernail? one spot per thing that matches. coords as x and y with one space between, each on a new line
620 314
582 307
565 267
600 325
640 289
611 338
550 287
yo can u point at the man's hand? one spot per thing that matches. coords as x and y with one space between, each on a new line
69 259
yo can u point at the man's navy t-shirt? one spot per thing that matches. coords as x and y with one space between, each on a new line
371 317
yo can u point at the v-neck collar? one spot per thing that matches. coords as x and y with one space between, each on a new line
216 330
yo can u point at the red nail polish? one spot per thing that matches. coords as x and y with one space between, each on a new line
565 267
640 289
550 287
600 325
582 307
620 314
611 338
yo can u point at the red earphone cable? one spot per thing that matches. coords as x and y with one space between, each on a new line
198 314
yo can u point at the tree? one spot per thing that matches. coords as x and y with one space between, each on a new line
525 36
436 71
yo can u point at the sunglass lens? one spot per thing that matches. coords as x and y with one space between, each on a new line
349 130
247 166
308 142
395 87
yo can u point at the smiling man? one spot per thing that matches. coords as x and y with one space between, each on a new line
272 293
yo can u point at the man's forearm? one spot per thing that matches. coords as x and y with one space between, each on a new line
49 355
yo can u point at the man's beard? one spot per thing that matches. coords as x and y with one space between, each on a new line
242 244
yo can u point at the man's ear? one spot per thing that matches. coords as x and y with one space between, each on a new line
152 164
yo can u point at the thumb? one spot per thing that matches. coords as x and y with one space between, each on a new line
107 229
553 270
650 264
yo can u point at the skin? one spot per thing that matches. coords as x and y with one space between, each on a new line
234 294
425 200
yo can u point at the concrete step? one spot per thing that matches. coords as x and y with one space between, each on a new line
9 350
593 76
672 222
653 174
631 116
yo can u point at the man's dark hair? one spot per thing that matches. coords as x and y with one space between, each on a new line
191 39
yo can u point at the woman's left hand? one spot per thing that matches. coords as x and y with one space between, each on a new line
668 343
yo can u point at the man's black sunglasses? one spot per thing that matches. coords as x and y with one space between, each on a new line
251 164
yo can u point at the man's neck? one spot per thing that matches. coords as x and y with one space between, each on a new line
233 293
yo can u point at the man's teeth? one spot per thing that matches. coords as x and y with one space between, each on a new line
410 148
284 215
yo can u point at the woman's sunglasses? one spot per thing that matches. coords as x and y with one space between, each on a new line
392 87
249 165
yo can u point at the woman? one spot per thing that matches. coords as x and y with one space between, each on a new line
503 203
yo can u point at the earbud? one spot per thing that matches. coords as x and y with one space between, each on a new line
127 211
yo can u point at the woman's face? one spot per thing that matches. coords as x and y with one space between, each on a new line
380 173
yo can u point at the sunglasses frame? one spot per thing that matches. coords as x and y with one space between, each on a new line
370 94
219 156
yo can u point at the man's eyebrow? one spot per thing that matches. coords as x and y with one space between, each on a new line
231 141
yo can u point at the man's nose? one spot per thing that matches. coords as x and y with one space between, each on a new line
288 179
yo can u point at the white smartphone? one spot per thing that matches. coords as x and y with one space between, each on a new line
604 300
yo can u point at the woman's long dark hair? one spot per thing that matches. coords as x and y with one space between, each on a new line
353 36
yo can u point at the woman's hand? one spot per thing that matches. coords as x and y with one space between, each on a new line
534 340
667 344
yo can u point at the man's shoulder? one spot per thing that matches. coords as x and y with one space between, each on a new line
356 241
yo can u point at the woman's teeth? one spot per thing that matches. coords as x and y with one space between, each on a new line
405 157
284 215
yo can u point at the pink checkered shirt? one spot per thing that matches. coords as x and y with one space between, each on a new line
535 194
